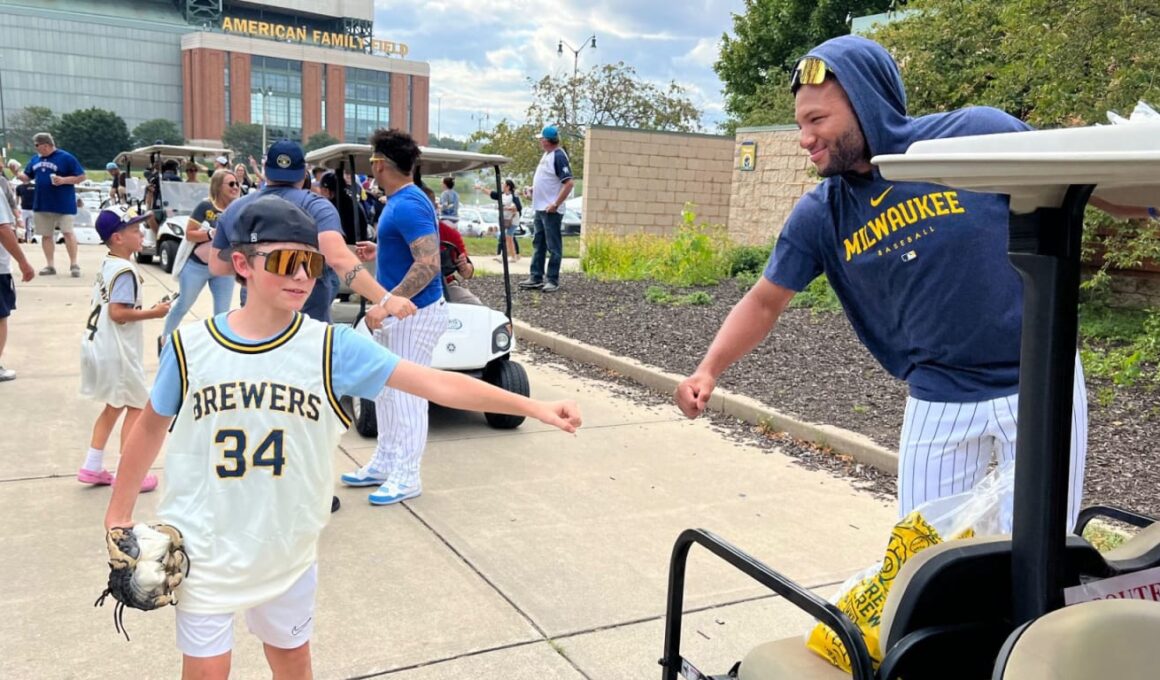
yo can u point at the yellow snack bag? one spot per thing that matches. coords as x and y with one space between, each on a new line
864 602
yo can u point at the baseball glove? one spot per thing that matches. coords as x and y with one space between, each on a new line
146 564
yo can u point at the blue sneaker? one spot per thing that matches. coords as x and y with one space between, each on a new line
390 493
363 476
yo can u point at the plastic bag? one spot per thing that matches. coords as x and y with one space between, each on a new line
1143 113
984 510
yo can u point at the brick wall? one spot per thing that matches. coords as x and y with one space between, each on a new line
763 197
638 182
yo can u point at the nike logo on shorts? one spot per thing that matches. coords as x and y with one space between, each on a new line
301 627
875 202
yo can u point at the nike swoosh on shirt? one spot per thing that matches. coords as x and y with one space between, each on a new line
874 202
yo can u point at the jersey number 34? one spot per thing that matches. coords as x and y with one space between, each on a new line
233 446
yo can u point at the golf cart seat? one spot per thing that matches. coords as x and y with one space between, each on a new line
1100 639
949 597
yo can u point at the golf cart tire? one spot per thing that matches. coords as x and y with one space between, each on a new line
365 422
167 252
144 259
510 376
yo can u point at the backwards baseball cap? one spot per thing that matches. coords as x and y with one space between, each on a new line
549 133
111 166
270 218
114 219
285 162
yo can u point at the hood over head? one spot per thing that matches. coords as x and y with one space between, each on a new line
868 74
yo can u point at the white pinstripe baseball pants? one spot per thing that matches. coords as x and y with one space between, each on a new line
402 417
946 447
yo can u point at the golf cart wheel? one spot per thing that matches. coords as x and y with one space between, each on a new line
510 376
363 414
167 252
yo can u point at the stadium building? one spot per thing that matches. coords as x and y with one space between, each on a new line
297 66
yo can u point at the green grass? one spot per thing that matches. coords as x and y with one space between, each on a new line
1103 536
479 246
1119 345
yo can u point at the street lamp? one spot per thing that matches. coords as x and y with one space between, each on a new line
3 119
439 119
480 118
589 41
266 93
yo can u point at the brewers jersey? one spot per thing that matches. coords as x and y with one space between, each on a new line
248 467
112 371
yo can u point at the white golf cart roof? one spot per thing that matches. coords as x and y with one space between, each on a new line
1035 168
141 156
432 161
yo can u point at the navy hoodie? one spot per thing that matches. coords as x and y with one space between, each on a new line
921 269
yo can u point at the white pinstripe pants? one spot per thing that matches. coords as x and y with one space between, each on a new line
402 417
946 447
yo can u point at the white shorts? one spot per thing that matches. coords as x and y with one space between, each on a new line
286 622
46 222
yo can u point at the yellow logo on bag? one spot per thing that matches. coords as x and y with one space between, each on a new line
864 603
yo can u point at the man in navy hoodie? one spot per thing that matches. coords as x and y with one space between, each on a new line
921 271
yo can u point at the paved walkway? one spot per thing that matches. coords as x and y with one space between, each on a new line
531 554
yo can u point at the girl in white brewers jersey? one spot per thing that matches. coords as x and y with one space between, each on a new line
253 396
113 342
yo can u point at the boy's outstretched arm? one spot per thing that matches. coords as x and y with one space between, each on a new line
470 394
141 450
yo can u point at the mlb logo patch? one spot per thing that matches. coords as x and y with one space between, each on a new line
909 255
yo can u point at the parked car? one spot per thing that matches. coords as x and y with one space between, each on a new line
470 222
490 217
571 223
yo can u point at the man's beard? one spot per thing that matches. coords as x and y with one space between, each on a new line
849 150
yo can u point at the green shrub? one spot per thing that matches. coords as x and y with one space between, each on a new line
746 280
818 296
697 298
748 260
657 295
1120 345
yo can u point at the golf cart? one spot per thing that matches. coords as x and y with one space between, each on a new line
478 340
992 607
177 198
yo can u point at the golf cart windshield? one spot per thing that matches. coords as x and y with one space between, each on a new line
181 197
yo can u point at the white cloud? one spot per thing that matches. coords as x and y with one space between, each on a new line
703 54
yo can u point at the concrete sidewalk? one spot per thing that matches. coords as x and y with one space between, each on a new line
531 553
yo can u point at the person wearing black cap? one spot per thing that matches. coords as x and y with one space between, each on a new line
253 399
285 169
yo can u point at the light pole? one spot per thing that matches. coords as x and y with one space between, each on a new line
480 118
3 118
266 93
439 119
589 41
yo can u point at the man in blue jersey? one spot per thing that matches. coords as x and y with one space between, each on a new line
921 270
55 173
550 188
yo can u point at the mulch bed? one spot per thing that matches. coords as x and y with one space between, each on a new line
813 367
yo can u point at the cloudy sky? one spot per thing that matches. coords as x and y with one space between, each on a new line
482 52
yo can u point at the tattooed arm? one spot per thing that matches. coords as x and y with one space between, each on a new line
425 252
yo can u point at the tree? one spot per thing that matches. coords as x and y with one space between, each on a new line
515 141
318 140
26 122
158 131
452 143
770 36
245 139
93 135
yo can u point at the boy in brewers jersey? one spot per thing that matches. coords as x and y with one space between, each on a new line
113 343
253 398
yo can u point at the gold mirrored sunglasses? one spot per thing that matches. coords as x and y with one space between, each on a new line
287 262
809 71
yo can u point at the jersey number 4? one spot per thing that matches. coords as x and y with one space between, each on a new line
233 444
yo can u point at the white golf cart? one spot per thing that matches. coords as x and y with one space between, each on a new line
478 340
177 198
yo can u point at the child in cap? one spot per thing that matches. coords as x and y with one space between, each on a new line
9 250
113 344
253 398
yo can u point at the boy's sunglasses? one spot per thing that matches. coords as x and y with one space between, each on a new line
809 71
287 262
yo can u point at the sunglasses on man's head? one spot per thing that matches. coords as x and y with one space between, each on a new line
287 262
809 71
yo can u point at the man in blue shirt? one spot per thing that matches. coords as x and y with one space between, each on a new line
285 169
409 266
56 173
921 270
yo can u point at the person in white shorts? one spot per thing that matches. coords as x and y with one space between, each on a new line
56 173
113 344
253 398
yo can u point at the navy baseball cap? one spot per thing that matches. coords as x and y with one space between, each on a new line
550 133
114 219
270 218
285 162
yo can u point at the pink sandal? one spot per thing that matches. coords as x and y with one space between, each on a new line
106 478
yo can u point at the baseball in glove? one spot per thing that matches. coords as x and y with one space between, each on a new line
146 564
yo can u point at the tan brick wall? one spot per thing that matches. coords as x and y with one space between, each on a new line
637 181
763 198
